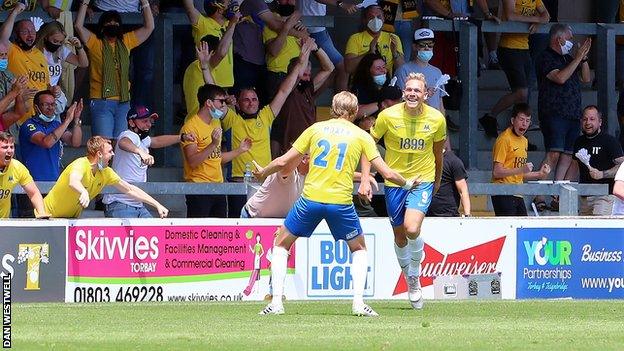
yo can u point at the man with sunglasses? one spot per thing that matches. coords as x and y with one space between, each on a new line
422 47
202 156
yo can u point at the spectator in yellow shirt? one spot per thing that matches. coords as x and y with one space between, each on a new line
109 57
24 58
13 172
373 40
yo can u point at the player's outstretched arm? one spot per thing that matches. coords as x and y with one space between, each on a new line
389 173
289 158
36 199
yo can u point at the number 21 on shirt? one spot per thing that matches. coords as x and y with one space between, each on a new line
326 146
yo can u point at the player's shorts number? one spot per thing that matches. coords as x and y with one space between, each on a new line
321 159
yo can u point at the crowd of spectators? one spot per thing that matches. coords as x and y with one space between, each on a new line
252 89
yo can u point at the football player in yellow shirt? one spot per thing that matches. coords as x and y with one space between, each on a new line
13 172
335 148
414 135
85 178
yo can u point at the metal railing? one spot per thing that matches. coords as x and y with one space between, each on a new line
568 193
468 54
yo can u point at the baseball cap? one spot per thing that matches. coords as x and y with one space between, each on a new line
139 112
423 34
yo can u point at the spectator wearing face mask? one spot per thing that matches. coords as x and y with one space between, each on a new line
41 140
109 57
132 158
560 73
41 136
203 157
422 46
51 39
375 41
369 78
24 58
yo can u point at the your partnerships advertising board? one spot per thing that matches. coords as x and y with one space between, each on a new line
33 254
570 262
197 261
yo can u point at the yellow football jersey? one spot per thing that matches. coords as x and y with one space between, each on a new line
258 130
335 147
209 171
62 201
409 140
13 174
223 73
359 44
520 40
510 150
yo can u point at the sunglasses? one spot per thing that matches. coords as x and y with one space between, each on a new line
424 45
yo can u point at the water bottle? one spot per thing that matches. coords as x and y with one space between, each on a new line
248 179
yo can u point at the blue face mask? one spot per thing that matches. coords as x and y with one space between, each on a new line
4 63
379 79
46 118
100 164
216 113
425 55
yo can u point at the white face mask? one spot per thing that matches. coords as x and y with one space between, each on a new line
566 47
100 164
375 24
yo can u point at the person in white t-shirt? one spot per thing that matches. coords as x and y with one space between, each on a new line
618 191
53 42
132 158
277 193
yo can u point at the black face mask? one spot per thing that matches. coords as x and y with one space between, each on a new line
51 47
247 115
285 10
111 31
303 85
142 133
24 46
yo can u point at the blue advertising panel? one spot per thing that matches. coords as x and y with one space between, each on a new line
585 263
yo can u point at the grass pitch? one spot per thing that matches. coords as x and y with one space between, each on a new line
323 325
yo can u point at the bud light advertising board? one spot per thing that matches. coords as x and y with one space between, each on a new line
584 263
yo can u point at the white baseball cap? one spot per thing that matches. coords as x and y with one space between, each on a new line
423 34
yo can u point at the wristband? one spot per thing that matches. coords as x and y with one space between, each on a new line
182 136
339 3
79 47
408 184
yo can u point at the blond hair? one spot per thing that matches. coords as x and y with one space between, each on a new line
95 144
416 76
47 30
344 105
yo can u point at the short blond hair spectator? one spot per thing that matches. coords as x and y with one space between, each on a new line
95 144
